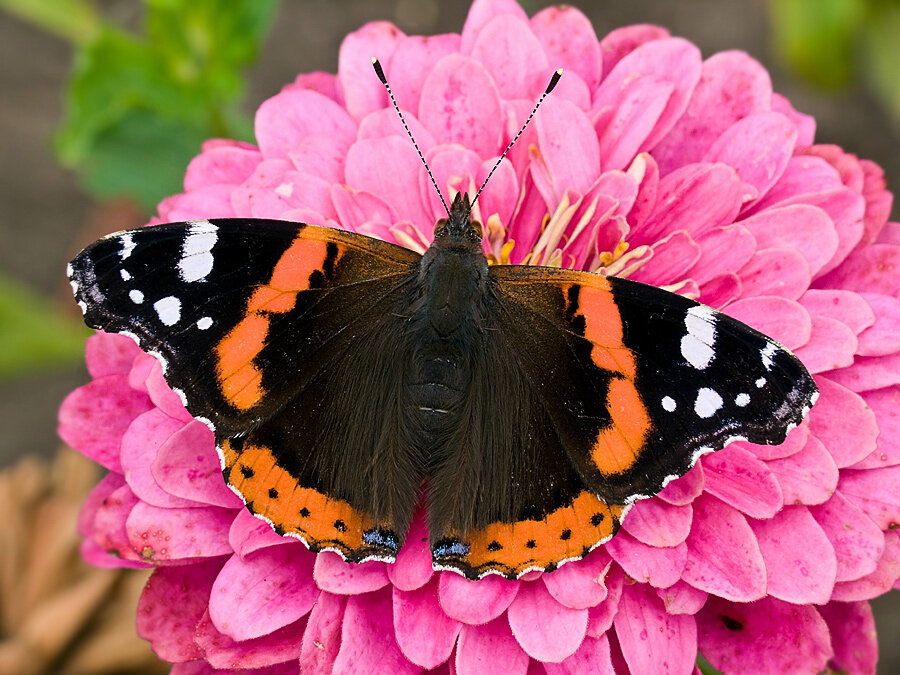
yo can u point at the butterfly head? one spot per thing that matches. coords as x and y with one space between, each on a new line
459 227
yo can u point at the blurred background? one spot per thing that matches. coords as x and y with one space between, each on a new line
103 104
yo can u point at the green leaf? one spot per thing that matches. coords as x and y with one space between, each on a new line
75 20
705 666
817 37
33 334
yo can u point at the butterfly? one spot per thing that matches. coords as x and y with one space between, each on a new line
350 381
346 377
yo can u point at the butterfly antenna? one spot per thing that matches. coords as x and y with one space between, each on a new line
376 64
553 81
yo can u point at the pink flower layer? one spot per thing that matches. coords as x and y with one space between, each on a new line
649 162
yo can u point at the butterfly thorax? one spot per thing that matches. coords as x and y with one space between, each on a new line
447 321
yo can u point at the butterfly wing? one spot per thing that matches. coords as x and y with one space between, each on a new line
635 384
254 322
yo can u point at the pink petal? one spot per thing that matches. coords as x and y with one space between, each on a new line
209 201
318 155
322 637
172 603
412 569
800 562
723 555
92 503
368 168
875 492
669 60
109 354
884 336
600 617
221 165
263 592
723 249
768 636
249 533
758 147
811 232
880 581
846 306
355 208
780 318
480 14
843 422
223 652
569 40
858 543
94 417
739 479
501 194
140 370
720 291
775 271
414 57
671 256
276 188
362 91
490 648
697 198
338 576
682 598
624 129
656 523
853 636
885 403
591 657
160 535
847 165
560 127
109 531
450 165
545 629
510 52
385 122
475 602
831 345
731 86
287 118
460 104
96 556
686 489
869 372
878 200
803 175
620 42
580 584
425 634
806 477
659 567
187 466
140 444
806 124
367 639
163 397
652 640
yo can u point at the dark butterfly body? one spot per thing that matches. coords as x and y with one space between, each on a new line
346 379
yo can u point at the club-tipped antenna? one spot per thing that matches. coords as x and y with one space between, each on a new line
553 80
376 64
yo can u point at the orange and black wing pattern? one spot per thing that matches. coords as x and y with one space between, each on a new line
607 390
253 321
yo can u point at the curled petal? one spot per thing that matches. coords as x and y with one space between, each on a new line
425 634
161 535
581 584
223 652
853 636
806 477
460 599
322 637
659 567
880 580
545 629
335 575
656 523
739 479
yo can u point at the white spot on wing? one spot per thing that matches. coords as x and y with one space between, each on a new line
767 353
136 296
127 241
125 275
668 403
760 383
708 402
204 323
168 310
196 251
742 400
697 344
83 306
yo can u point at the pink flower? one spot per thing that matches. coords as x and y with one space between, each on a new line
647 161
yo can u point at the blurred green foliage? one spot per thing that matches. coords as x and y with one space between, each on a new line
137 107
835 43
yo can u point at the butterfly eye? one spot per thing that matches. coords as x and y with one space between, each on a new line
474 232
440 227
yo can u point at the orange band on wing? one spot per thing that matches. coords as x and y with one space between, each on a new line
275 494
566 533
603 327
239 379
618 445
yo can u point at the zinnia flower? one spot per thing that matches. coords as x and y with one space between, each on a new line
647 161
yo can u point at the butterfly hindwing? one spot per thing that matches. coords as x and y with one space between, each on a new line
250 319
